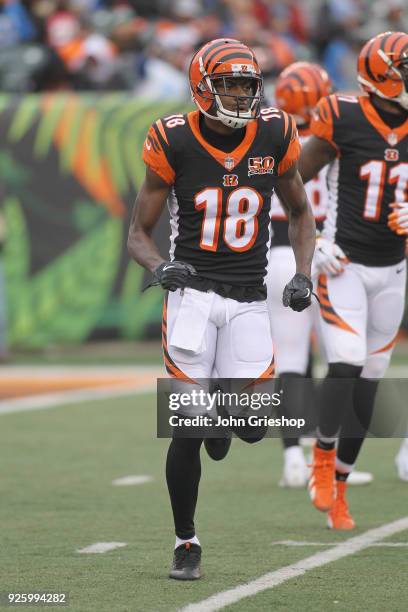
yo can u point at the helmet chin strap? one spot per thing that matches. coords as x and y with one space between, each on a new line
232 122
231 119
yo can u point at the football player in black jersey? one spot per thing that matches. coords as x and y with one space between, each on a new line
219 167
365 142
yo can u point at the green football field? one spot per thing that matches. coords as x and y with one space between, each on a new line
57 497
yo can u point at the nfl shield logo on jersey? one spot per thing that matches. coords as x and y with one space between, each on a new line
228 163
392 139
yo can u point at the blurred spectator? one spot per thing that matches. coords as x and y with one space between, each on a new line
145 45
91 53
288 18
62 26
16 26
339 39
339 59
390 15
51 74
273 52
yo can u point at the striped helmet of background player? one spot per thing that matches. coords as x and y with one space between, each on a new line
210 73
383 67
299 88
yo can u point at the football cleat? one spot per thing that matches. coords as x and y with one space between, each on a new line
186 562
217 448
401 461
321 483
295 472
339 516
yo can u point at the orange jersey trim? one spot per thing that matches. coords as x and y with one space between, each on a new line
237 154
293 150
161 130
321 124
155 158
374 118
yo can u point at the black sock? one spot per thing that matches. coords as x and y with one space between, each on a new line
292 404
183 472
336 397
342 476
356 422
325 445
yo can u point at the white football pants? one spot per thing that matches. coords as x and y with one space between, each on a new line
291 331
361 311
203 332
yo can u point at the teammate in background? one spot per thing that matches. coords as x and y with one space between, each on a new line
364 139
222 163
298 90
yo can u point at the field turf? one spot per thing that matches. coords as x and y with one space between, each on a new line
57 466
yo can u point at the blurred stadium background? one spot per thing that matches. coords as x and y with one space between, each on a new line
70 162
80 83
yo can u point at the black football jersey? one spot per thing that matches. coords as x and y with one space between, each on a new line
220 204
369 173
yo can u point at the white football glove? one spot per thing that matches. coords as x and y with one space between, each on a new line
329 257
398 219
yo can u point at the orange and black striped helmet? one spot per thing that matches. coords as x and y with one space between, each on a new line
210 70
383 67
299 88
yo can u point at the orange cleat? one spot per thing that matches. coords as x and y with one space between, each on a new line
339 516
321 482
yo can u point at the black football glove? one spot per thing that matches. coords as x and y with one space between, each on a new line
173 275
298 292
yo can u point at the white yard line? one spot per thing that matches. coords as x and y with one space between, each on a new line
129 481
52 400
101 547
273 579
320 544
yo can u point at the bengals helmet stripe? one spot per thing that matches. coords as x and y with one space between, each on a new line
218 53
218 45
383 67
222 47
299 88
232 56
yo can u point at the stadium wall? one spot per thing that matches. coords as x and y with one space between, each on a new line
70 168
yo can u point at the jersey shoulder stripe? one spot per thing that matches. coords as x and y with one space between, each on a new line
291 144
324 117
281 128
158 150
